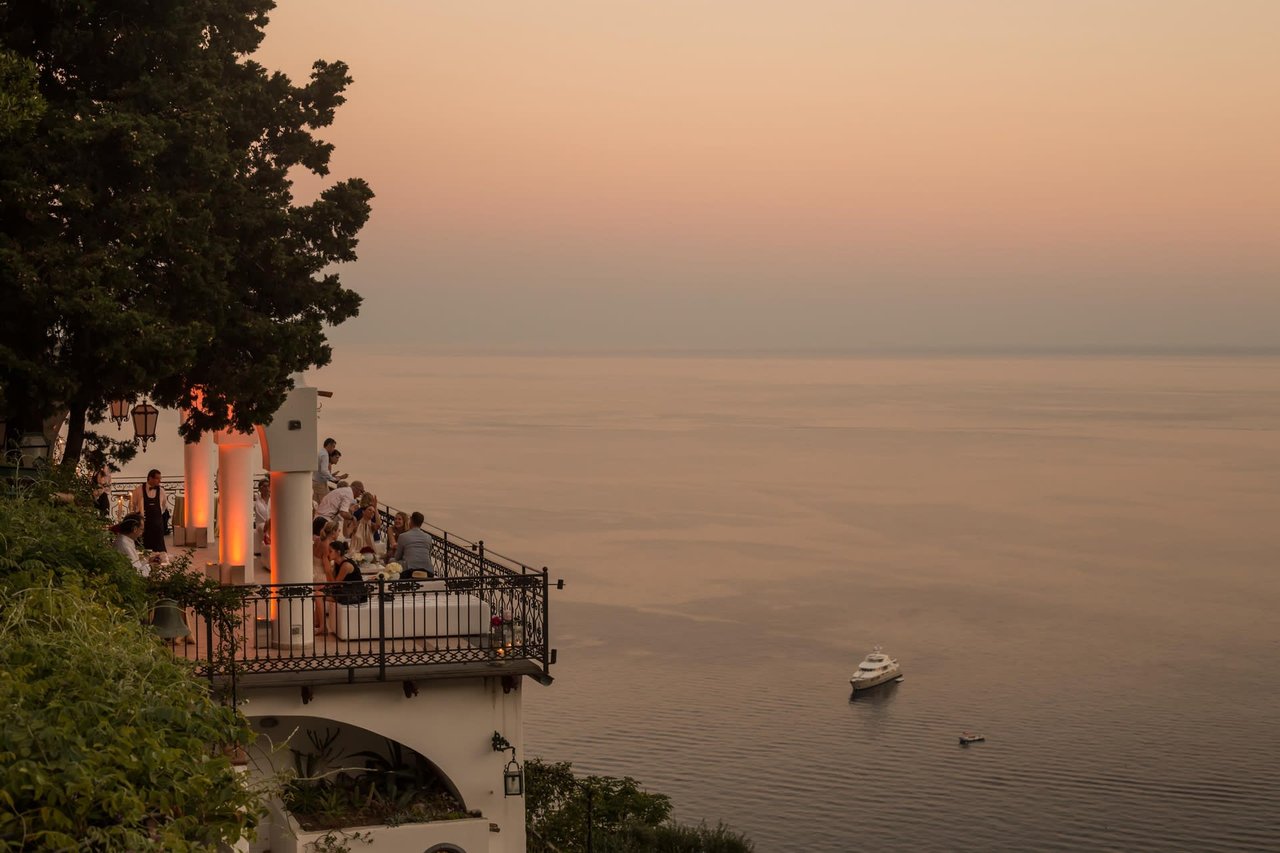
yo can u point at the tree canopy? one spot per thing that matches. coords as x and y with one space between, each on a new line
150 243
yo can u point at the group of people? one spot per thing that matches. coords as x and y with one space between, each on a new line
349 523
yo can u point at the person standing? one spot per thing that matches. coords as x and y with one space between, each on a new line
102 491
148 501
262 518
322 478
413 548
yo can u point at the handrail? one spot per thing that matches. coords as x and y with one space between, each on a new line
378 625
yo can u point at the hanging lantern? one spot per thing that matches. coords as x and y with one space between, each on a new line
145 417
120 412
513 778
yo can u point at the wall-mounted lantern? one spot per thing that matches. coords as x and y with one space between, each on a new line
145 417
512 774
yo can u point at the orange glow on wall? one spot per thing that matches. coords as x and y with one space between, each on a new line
196 480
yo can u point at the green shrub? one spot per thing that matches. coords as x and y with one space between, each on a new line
624 818
42 541
107 742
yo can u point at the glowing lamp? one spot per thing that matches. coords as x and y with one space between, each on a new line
145 417
119 412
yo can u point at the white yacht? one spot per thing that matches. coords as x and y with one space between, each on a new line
876 668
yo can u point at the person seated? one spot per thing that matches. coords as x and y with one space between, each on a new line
367 523
128 532
399 524
413 549
349 585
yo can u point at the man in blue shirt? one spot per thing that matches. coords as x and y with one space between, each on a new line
413 549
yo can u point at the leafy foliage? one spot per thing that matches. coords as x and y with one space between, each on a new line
624 818
150 242
107 743
20 101
43 542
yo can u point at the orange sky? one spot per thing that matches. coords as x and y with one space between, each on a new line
824 173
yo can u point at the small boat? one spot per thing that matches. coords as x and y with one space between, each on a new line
966 738
876 668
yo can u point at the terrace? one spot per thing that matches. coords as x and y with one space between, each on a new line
482 615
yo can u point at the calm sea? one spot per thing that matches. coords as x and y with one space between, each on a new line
1074 556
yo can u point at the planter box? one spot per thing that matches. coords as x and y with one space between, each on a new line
469 835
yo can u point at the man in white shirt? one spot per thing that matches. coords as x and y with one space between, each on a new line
262 504
322 477
127 544
338 503
261 515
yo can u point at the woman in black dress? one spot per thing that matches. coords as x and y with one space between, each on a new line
349 588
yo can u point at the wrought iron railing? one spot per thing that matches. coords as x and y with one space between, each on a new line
478 613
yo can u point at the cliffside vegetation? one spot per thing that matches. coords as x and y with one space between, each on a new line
620 816
108 743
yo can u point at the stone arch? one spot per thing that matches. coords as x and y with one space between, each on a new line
293 729
263 446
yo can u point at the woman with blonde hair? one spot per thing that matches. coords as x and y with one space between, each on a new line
367 521
399 524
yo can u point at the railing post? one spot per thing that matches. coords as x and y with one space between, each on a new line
546 615
382 632
208 648
445 569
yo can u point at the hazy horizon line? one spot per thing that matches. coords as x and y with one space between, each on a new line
952 351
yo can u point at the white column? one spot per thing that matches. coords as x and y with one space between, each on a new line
235 503
289 453
291 555
291 527
197 475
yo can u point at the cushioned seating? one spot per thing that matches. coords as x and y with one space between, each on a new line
424 610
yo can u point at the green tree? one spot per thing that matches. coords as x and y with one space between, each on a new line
20 101
150 242
624 818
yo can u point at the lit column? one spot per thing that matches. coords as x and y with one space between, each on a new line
235 503
197 475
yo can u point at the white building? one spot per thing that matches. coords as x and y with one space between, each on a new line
417 687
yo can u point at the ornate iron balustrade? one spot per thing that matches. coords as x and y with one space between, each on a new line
380 625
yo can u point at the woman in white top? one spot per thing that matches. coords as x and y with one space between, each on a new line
130 530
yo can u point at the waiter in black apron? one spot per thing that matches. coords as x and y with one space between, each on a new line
148 500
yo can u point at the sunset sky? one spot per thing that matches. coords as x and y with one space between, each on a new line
762 174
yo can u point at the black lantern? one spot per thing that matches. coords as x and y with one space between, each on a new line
513 778
120 412
512 775
145 416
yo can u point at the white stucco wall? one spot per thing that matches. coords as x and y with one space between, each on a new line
450 722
